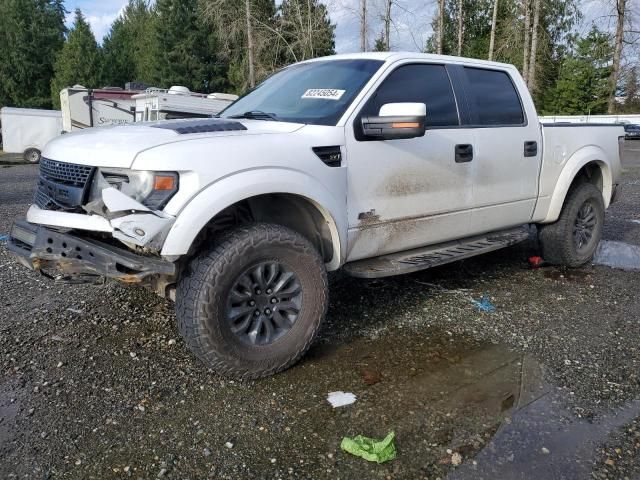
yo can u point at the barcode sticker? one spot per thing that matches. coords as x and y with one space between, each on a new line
325 93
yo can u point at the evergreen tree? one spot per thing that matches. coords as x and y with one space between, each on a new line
477 16
79 61
31 33
379 45
557 18
581 87
186 48
232 22
555 41
307 30
632 99
130 49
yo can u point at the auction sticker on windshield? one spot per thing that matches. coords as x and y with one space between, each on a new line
325 93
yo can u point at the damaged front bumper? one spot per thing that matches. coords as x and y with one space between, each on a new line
72 257
113 212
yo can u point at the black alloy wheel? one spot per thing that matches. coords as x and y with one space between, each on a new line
264 303
584 227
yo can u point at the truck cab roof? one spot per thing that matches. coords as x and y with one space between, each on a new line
395 56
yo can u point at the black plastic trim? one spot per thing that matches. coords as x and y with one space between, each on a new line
531 148
458 82
463 153
382 128
330 155
201 126
62 186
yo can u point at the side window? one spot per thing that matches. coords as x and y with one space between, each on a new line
428 84
495 99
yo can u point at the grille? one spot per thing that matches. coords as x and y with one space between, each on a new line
62 186
43 201
65 173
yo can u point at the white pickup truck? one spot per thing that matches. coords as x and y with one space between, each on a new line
378 163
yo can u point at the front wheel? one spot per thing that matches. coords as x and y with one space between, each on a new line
251 305
573 239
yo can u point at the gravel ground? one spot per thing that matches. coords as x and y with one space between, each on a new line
96 383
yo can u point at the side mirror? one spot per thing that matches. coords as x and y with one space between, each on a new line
396 121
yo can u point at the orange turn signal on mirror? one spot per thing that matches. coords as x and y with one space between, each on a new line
405 125
164 182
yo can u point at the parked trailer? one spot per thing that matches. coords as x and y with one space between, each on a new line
178 102
84 107
630 118
28 130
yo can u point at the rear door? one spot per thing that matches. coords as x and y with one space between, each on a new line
507 147
408 193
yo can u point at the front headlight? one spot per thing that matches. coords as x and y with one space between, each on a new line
152 189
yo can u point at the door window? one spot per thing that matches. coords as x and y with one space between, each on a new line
421 83
494 98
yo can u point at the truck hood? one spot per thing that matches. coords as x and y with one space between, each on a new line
117 146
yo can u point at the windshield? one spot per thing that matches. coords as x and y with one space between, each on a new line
316 93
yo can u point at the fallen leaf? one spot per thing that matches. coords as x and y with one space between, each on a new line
371 377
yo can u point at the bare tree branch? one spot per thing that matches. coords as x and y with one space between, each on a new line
494 22
617 54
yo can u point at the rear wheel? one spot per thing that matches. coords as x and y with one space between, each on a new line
573 239
32 155
251 306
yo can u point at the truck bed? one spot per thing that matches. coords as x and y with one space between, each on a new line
561 142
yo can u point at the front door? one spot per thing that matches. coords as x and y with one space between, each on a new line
404 194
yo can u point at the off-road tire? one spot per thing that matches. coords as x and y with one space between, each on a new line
205 286
32 155
557 239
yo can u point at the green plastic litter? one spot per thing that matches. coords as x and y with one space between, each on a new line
371 449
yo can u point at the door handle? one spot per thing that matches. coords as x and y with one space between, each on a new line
530 149
464 153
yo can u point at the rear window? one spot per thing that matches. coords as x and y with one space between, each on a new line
494 97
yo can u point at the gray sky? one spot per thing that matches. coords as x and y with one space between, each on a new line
412 20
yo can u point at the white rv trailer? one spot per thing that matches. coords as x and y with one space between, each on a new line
84 107
622 118
178 102
28 130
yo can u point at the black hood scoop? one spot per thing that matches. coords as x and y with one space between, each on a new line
201 125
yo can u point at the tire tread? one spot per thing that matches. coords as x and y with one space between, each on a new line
191 305
556 238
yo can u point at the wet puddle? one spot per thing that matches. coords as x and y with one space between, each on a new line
444 396
544 440
458 407
618 255
440 395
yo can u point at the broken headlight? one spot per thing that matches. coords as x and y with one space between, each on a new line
152 189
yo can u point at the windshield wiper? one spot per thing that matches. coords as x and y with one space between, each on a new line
256 115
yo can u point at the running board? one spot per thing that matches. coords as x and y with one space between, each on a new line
434 255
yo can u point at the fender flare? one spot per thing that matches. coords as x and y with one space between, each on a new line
239 186
576 162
